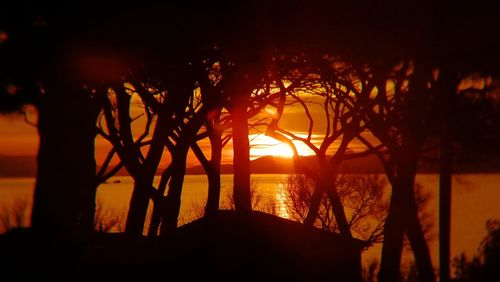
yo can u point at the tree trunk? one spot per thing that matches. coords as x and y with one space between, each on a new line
213 174
403 215
393 236
339 213
312 212
418 244
327 184
138 207
172 202
154 224
241 160
155 221
139 201
88 209
66 165
326 179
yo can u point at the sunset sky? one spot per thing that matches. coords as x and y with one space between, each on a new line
18 138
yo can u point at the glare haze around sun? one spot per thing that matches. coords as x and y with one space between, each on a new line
262 145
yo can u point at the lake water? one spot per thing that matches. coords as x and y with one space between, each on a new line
475 200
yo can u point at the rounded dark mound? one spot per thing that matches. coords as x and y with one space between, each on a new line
228 247
262 246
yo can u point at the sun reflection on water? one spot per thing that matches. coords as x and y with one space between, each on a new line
281 201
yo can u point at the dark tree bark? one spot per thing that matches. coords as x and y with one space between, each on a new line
170 206
326 183
211 167
139 203
401 176
158 202
403 216
409 114
87 218
172 202
141 195
416 237
312 213
339 213
393 237
213 173
155 221
213 100
64 197
241 161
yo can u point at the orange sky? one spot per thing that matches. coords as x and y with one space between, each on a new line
18 138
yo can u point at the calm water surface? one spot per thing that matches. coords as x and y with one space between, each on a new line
475 200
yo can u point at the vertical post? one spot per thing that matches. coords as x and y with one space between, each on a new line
447 90
445 174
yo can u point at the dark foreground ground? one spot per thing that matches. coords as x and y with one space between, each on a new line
229 247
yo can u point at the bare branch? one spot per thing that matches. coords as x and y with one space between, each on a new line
106 163
27 118
165 176
147 97
386 163
198 152
112 172
374 150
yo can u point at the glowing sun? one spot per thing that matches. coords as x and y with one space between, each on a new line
262 145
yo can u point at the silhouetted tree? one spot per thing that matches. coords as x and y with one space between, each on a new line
216 123
337 125
43 64
361 195
170 125
396 116
484 265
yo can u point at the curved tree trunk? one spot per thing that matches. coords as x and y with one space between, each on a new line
339 213
418 244
403 216
172 202
326 183
312 212
155 221
139 201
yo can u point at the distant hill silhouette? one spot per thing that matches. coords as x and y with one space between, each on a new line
26 166
275 165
